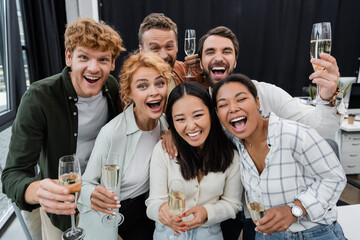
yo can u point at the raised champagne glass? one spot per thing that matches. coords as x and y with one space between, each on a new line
320 42
189 46
70 177
110 174
177 205
255 206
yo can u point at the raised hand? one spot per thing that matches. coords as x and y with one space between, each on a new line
327 77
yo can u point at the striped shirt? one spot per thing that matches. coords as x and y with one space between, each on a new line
300 165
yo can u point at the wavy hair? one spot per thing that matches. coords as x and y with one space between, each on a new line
88 33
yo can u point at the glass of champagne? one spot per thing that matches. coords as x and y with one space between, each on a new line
255 206
189 46
320 42
176 202
70 177
110 174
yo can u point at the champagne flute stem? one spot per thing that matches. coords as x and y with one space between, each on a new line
73 223
189 73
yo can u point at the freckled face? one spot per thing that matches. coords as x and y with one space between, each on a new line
90 68
192 120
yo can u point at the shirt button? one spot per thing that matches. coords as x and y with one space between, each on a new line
74 113
70 98
75 99
106 90
75 134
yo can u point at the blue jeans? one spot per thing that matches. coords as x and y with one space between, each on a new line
207 233
321 232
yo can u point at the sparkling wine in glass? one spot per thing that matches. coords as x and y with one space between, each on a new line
177 205
70 177
110 174
320 42
255 206
189 46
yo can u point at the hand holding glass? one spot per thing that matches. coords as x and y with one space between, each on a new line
320 43
255 206
110 174
189 46
70 177
176 202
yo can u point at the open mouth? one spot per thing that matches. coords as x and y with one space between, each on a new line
154 105
195 134
238 123
218 71
91 79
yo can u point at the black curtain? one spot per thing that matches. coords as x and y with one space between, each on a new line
44 23
274 35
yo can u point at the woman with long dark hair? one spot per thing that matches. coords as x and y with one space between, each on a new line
207 164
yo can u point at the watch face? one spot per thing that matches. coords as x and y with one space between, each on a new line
296 211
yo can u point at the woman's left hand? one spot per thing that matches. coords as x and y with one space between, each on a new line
276 219
200 217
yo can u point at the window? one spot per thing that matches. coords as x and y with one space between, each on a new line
4 83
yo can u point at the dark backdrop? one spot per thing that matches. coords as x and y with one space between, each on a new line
273 34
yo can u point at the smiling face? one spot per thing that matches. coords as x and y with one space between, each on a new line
218 58
148 90
90 68
237 109
161 42
191 120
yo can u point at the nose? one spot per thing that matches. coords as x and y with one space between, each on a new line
93 66
191 124
153 90
234 107
163 53
218 57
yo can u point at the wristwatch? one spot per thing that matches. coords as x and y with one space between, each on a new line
296 210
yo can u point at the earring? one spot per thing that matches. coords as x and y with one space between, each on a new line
258 107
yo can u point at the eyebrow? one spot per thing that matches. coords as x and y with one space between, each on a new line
146 80
236 95
194 112
156 43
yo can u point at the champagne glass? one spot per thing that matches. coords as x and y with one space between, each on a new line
189 46
110 174
320 42
176 203
255 206
70 177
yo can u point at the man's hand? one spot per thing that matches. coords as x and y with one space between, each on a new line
167 219
193 62
102 200
200 217
328 75
51 196
276 219
168 144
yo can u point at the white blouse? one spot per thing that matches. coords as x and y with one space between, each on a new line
220 193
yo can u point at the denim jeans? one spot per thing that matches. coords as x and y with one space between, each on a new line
207 233
321 232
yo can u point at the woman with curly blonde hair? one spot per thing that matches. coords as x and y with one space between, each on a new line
132 135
